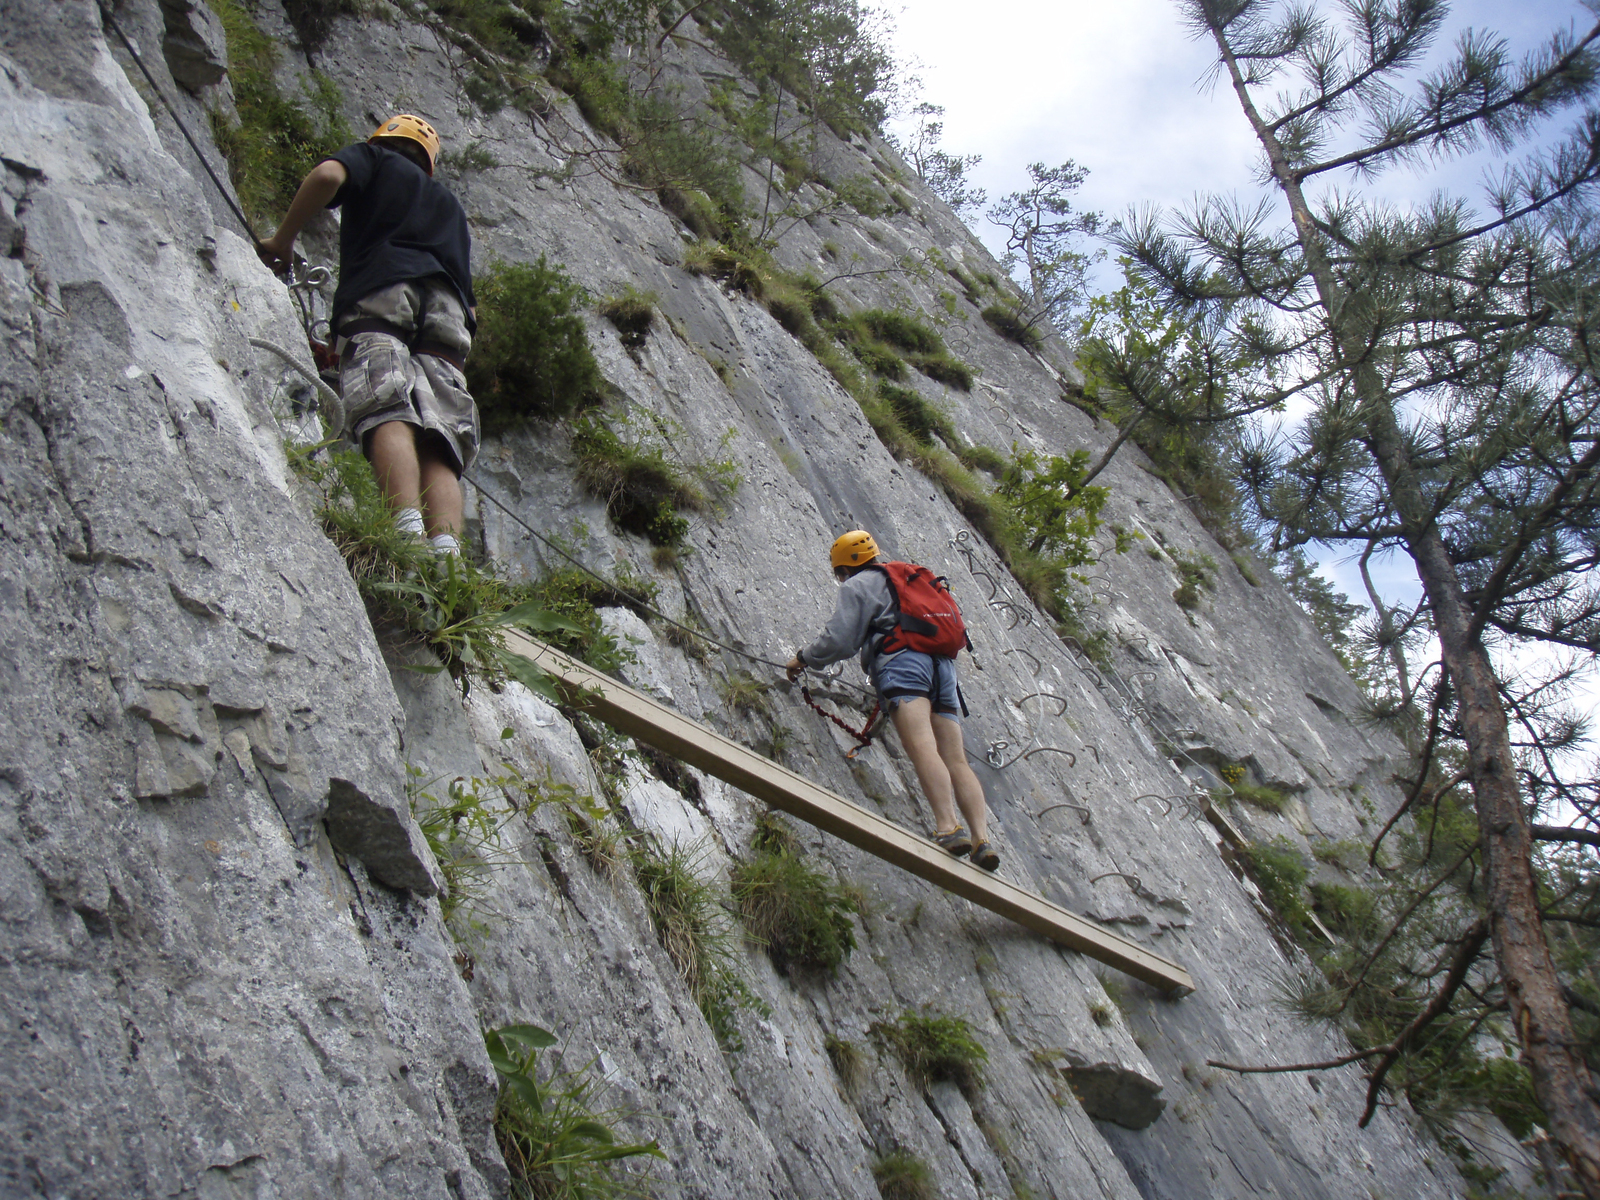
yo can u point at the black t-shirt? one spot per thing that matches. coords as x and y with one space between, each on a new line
399 223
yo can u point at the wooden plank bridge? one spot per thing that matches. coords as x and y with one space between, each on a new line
639 716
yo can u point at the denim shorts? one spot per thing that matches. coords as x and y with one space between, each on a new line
908 674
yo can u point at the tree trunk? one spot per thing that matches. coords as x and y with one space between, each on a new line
1105 459
1539 1011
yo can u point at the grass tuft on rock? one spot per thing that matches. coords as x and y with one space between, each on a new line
1013 328
800 915
642 489
741 272
848 1062
886 341
632 313
901 1175
454 607
276 138
697 934
934 1047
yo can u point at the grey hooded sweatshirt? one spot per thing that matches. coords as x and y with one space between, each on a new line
865 611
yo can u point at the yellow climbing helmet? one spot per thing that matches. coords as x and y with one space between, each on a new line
853 548
404 125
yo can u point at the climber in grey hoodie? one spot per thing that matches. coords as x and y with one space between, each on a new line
918 690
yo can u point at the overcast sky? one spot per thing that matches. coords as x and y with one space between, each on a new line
1118 86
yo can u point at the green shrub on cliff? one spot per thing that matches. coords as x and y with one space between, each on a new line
457 609
798 913
276 138
934 1047
530 357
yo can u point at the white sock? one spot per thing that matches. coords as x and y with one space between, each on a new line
445 543
409 520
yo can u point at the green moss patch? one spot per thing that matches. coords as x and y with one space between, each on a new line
934 1047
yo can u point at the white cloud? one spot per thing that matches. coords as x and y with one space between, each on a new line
1117 87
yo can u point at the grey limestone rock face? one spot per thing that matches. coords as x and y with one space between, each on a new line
203 993
225 971
194 44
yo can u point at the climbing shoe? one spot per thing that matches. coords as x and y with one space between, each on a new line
984 855
957 841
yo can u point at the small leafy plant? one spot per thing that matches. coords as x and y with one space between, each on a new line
1194 573
575 596
556 1144
464 829
934 1047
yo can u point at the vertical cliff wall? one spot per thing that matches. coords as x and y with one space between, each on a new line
225 971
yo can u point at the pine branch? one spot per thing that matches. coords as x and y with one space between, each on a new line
1563 833
1342 1061
1438 129
1399 922
1466 954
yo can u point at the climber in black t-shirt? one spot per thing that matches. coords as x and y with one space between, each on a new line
404 316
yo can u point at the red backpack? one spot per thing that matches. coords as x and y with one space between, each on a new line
928 618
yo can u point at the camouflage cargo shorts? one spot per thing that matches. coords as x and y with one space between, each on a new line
383 379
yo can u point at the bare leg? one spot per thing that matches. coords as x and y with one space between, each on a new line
441 492
969 792
392 447
413 473
923 741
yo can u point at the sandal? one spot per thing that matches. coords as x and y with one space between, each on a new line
957 841
985 856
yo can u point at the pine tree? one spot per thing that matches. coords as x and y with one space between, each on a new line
1448 360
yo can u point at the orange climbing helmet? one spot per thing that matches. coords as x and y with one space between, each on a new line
404 125
853 549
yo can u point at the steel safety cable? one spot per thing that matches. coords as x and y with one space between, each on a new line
182 128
